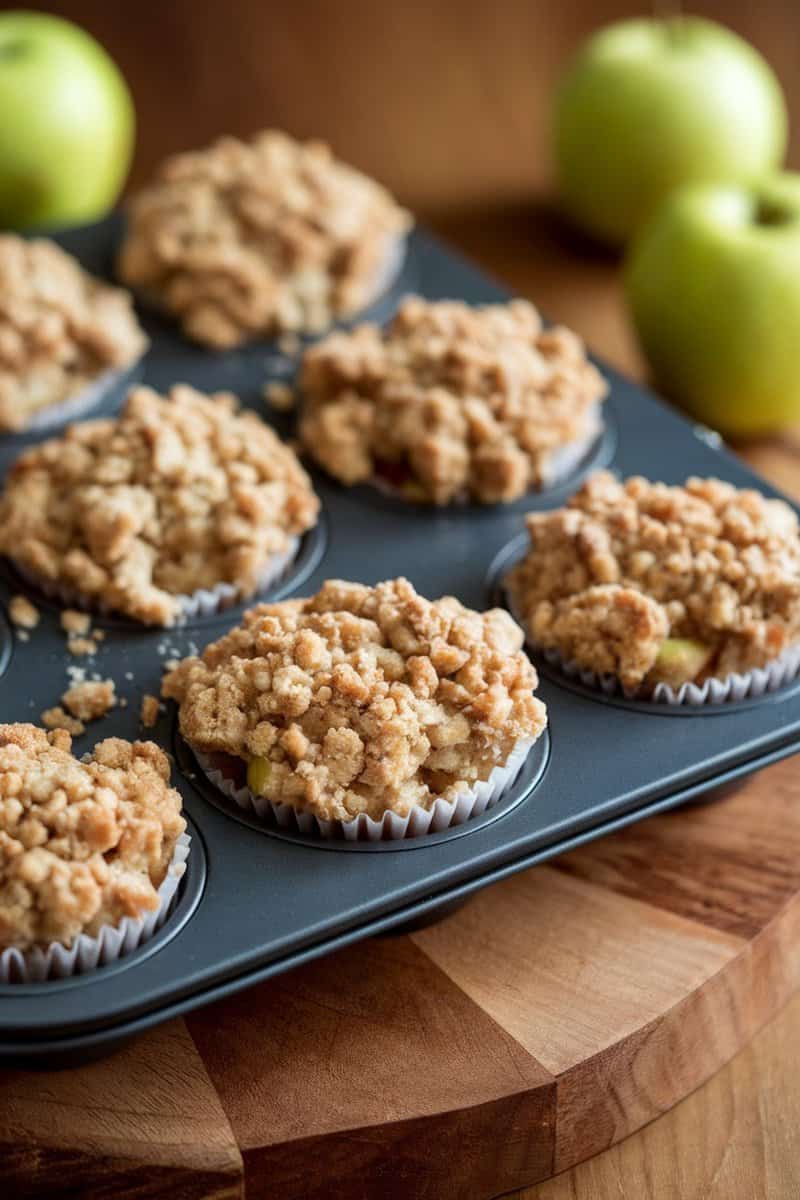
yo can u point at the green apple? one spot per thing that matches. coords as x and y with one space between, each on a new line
713 283
650 104
66 124
679 661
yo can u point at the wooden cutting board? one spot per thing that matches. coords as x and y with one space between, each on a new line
548 1018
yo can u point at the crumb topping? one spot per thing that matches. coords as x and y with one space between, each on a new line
83 843
23 614
626 565
90 699
448 401
60 328
362 699
177 493
148 714
249 238
57 717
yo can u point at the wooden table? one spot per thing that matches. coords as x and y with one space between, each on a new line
738 1137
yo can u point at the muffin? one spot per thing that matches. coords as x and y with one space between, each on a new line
246 239
91 850
64 335
178 506
660 589
367 711
451 402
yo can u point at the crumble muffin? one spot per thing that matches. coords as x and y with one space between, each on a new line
138 512
449 401
61 329
83 843
250 238
651 583
360 699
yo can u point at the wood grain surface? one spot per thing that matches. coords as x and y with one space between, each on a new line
448 103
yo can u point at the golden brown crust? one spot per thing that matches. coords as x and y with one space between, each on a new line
60 329
82 843
175 494
450 401
627 564
248 238
362 699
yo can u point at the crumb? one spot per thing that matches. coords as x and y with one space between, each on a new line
57 718
149 711
24 614
289 344
78 646
90 700
74 622
279 396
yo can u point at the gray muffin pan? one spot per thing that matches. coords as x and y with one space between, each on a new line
255 902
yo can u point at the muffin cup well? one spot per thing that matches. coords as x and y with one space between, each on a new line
111 942
205 602
442 815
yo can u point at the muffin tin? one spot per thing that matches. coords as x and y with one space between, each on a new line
256 901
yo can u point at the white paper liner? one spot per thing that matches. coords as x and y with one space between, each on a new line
748 685
560 463
76 406
745 686
387 269
58 961
204 602
420 821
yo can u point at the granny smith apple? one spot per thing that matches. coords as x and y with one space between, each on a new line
650 104
66 123
713 283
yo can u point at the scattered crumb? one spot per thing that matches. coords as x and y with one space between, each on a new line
23 635
149 711
78 646
24 614
57 718
289 343
74 622
90 700
279 396
129 676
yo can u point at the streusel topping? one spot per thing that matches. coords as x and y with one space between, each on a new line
626 565
449 401
177 493
83 843
60 328
362 699
249 238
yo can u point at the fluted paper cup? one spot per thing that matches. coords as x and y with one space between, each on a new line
443 814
